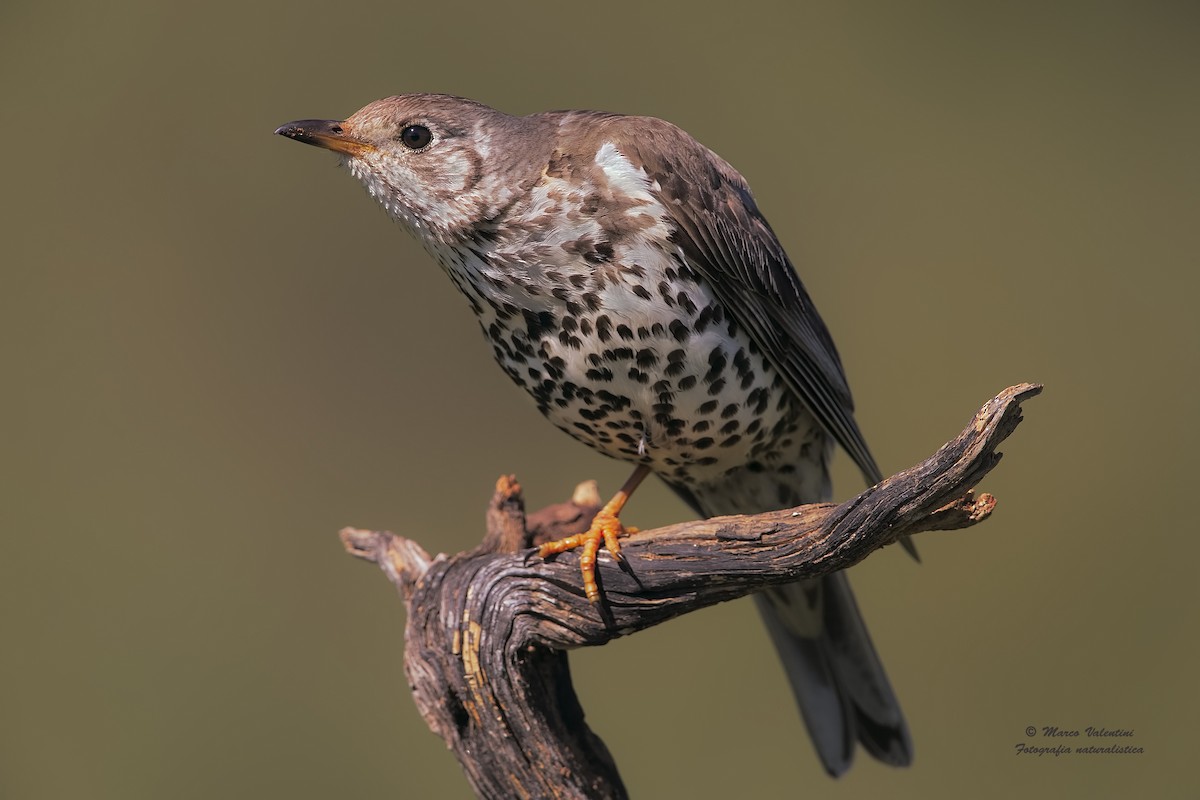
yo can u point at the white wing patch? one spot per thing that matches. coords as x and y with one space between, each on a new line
622 175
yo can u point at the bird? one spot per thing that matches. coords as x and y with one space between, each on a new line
625 278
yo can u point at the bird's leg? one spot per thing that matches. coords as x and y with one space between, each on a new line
606 528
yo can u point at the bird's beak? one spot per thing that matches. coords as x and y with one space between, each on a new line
327 133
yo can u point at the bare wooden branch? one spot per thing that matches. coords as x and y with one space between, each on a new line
488 629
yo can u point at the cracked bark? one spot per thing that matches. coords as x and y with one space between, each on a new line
488 629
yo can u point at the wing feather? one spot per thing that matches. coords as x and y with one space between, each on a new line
722 236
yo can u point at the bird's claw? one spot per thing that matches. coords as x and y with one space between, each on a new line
606 529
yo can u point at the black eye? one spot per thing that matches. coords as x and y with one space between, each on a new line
415 137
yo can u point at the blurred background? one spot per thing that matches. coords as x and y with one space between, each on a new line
214 355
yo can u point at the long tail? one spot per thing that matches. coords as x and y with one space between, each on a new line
836 676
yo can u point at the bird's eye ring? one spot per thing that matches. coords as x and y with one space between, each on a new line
415 137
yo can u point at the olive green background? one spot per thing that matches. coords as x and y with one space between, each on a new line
216 351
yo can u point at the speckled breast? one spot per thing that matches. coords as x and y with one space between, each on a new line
641 364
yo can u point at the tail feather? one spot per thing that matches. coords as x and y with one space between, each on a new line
835 674
824 707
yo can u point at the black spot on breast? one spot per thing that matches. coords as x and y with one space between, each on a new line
608 398
716 387
741 362
618 354
604 251
679 330
641 291
707 407
603 374
637 270
625 332
538 324
603 327
646 358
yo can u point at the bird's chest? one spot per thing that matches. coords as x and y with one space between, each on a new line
639 361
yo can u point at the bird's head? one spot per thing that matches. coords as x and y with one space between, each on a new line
441 165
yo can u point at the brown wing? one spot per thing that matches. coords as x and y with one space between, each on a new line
723 237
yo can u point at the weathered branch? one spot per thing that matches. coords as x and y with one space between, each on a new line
488 629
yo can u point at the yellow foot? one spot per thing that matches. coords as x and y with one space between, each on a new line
606 528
